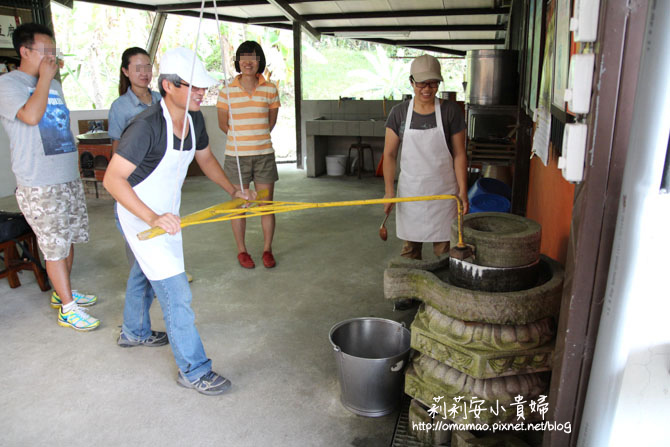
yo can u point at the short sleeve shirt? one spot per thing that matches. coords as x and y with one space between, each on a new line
250 117
43 154
452 120
124 109
144 141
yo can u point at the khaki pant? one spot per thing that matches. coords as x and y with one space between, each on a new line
412 250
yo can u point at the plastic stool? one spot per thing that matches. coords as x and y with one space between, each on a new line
360 147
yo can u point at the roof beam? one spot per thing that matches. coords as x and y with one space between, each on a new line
196 5
120 4
399 43
292 15
396 28
391 14
400 28
452 41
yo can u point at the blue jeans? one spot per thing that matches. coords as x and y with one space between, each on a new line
174 296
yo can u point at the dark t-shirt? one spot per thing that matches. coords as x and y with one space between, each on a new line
452 120
144 141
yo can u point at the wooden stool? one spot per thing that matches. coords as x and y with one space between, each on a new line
360 147
14 263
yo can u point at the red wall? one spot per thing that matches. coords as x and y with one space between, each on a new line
550 199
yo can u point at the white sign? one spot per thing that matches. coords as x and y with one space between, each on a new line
7 26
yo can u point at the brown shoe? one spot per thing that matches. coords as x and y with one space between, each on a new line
268 260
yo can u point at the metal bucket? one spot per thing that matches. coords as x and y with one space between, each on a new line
371 355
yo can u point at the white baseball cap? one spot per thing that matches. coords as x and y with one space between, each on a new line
179 61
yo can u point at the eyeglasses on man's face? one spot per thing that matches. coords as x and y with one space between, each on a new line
47 51
431 84
186 84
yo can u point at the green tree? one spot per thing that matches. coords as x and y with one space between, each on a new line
386 77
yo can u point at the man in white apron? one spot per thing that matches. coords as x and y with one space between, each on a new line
145 176
433 161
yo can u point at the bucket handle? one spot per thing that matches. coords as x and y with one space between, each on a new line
336 348
398 366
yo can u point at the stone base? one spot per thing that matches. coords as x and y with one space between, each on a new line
427 380
485 336
520 307
480 364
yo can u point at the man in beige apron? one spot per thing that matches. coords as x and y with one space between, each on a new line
145 176
433 161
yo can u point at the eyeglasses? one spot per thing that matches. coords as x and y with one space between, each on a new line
431 84
47 51
186 84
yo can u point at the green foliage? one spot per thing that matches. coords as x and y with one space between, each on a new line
94 36
386 78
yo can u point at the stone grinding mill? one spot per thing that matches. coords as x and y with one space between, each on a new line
484 334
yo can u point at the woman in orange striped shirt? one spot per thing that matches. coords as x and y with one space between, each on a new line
254 106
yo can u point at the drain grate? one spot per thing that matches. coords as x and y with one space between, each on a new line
401 435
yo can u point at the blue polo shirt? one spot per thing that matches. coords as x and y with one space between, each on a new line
124 109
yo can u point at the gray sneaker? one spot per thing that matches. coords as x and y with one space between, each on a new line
211 384
155 339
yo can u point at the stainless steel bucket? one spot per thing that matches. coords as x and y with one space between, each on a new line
371 355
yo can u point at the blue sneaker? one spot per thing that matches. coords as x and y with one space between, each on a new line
82 300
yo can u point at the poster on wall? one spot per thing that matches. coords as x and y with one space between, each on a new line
561 58
7 26
538 51
529 57
542 115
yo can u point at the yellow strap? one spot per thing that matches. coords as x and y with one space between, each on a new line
231 210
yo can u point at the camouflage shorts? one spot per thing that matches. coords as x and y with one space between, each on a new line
57 214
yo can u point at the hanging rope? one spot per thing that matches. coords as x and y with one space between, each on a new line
188 102
226 83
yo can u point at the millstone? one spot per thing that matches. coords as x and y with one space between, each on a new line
482 364
518 307
465 273
500 239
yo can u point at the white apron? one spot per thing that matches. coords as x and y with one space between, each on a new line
163 256
426 169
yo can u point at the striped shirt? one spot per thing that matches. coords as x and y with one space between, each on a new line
250 124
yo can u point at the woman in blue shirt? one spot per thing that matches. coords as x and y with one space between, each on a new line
134 93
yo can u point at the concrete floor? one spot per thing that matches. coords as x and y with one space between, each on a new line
266 330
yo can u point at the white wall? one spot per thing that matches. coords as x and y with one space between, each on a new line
217 141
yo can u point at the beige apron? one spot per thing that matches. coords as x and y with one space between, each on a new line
427 168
